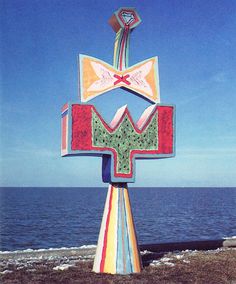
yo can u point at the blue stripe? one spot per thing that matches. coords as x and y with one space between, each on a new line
64 113
127 243
119 257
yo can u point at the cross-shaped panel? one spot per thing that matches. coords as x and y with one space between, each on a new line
84 132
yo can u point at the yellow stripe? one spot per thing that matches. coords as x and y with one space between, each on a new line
115 53
116 47
111 250
132 235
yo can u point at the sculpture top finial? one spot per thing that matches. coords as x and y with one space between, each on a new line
98 77
124 18
122 21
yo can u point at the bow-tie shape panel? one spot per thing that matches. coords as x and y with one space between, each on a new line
98 77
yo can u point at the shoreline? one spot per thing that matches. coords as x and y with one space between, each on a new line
214 266
74 265
87 250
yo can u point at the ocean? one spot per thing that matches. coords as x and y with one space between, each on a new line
43 218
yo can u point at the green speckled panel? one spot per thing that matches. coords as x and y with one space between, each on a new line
124 139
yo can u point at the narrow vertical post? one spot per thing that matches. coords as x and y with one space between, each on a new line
122 22
120 59
117 249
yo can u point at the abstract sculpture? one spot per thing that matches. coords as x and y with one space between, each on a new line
119 143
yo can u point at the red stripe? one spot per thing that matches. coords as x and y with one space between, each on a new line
64 107
102 264
64 132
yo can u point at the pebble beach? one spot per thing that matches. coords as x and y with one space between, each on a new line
74 265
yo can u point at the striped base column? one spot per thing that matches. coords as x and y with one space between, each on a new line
117 249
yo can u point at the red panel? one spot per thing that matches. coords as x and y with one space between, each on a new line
165 130
81 127
82 133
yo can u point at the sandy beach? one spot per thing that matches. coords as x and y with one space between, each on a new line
74 265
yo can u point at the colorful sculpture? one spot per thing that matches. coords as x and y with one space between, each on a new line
84 132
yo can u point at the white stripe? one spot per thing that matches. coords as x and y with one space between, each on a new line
98 256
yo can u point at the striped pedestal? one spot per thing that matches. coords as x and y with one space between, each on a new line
117 249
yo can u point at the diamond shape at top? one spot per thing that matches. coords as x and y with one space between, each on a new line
128 17
123 18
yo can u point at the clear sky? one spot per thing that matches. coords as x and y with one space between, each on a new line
196 45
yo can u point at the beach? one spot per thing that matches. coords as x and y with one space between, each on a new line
46 235
74 265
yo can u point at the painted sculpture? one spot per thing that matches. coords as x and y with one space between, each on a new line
119 143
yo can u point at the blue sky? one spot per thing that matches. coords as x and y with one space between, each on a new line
195 42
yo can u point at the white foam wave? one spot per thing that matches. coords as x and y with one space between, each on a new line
29 250
230 238
63 267
88 247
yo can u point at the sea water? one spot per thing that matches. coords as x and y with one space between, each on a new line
42 218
